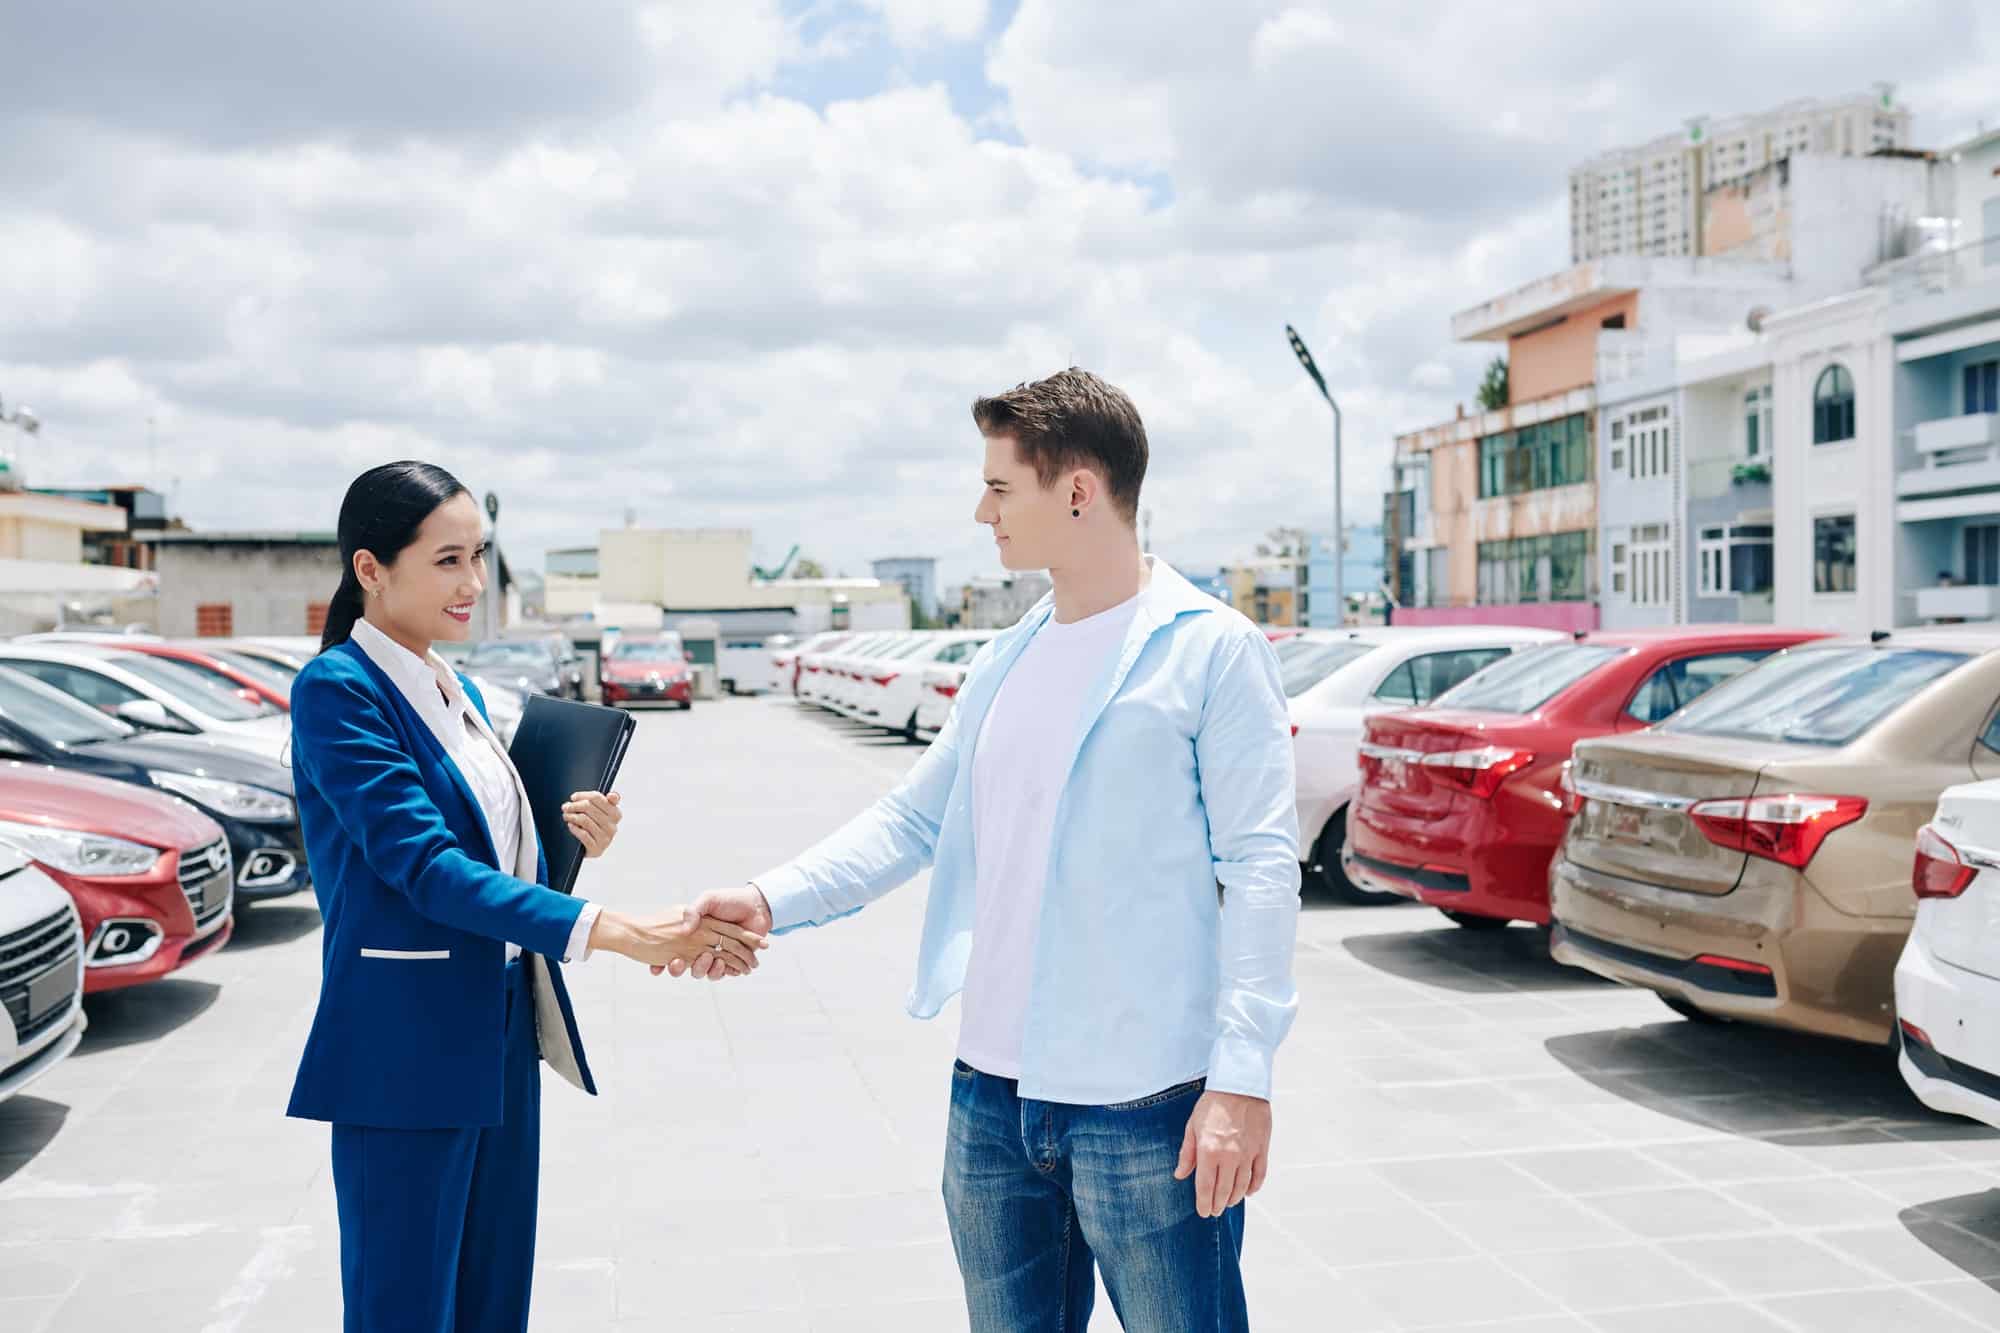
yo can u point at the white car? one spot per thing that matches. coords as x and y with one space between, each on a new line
820 668
1948 981
1340 678
892 693
154 694
842 670
41 973
937 695
785 658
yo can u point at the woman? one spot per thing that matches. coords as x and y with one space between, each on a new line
441 988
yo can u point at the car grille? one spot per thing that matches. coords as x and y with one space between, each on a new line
208 880
27 954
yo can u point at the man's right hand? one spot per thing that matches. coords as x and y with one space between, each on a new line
743 906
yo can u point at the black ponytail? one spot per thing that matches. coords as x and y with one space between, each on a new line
383 511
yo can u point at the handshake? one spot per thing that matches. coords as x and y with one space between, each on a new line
719 936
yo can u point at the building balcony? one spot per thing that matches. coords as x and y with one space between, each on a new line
1980 430
1951 467
1934 271
1961 603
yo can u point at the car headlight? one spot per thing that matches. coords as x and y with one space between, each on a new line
79 853
230 798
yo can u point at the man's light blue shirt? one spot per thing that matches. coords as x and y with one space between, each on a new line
1164 949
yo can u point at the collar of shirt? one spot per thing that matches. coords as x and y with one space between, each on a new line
419 678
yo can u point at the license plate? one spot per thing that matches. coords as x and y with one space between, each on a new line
1628 826
54 987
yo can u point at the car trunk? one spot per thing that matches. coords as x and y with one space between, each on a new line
1636 791
1392 750
1965 931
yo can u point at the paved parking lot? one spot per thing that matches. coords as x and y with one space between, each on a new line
1468 1136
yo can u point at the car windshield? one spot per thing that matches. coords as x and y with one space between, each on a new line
1524 681
1304 667
519 655
262 670
1814 696
200 689
53 715
665 648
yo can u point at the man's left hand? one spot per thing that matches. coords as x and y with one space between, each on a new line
1227 1149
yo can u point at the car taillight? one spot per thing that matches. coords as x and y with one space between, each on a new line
1479 771
1786 829
884 680
1940 872
946 688
1572 799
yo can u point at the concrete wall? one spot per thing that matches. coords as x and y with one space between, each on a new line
1856 477
1563 356
675 567
23 538
269 587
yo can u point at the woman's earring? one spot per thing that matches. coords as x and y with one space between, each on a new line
1076 513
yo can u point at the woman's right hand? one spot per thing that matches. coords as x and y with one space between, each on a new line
679 936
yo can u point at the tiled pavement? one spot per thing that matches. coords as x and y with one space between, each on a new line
1468 1136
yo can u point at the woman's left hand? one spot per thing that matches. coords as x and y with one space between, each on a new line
593 820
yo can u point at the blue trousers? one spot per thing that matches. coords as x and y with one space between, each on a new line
437 1226
1039 1195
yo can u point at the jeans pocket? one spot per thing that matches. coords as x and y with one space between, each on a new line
1162 1098
962 1070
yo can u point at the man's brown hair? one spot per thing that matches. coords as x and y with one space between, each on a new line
1073 419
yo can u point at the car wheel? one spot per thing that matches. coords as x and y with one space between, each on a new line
1325 871
688 707
1694 1013
1469 921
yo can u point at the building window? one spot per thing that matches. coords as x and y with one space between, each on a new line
1833 553
1533 458
1982 387
316 617
1734 559
1982 554
1833 406
1757 422
1652 453
1536 569
1618 568
215 620
1652 564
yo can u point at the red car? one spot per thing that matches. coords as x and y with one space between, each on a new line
648 670
254 687
1461 803
151 875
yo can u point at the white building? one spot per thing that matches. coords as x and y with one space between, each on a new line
1649 199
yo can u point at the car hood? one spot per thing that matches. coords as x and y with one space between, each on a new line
60 798
198 758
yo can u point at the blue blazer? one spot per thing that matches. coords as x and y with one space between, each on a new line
412 1008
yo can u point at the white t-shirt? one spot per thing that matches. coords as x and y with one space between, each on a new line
1018 768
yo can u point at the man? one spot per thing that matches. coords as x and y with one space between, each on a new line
1109 814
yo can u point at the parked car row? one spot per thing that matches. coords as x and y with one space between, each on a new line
903 681
143 798
1758 824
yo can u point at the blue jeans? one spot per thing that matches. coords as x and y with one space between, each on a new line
1038 1193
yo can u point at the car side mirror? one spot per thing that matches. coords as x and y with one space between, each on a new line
687 654
151 715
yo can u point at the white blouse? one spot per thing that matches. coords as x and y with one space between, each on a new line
434 690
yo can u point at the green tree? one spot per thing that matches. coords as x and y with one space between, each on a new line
919 618
1493 389
805 567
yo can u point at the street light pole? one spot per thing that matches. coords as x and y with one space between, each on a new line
493 590
1339 527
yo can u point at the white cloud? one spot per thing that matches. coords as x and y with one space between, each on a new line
666 270
913 23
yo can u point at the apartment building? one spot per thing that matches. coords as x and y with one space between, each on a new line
1650 199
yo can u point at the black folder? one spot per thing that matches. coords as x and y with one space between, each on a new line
562 748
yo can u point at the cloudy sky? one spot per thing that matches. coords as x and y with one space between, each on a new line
747 264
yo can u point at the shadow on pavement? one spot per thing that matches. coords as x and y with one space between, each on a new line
143 1013
1964 1230
1789 1088
27 1125
259 925
1476 962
